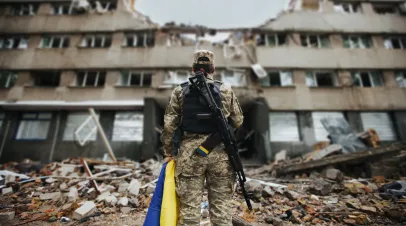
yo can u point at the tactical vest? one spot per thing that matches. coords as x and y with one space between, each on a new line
193 105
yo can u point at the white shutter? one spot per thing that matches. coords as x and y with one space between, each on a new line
128 126
319 131
283 126
381 122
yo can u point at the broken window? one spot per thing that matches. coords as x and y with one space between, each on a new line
401 78
128 126
357 41
91 78
55 42
24 9
381 122
277 78
272 40
367 79
321 79
319 131
7 79
61 9
74 120
34 126
96 41
315 41
234 78
46 78
176 77
385 8
13 42
347 7
104 6
395 42
135 78
283 127
139 40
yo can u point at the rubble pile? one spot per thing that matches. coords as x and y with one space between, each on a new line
75 189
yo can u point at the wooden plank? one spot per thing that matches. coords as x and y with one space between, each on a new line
353 158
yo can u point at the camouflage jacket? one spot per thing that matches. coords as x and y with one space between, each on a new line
173 115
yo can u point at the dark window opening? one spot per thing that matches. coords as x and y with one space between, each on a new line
147 79
65 43
140 40
135 79
313 41
102 79
91 78
98 42
46 78
130 40
57 42
275 79
150 40
324 80
281 39
107 41
366 81
385 9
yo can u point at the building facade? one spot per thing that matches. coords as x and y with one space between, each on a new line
322 58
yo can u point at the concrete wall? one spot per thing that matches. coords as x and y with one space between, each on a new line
44 22
16 150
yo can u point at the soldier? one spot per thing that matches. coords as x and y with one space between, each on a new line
193 169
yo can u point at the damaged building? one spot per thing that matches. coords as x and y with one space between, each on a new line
316 59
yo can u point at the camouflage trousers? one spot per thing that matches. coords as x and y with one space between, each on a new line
191 172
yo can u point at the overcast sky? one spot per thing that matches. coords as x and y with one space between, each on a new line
211 13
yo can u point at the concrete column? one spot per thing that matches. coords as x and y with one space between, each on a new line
367 8
299 77
327 6
44 9
67 78
34 41
112 78
389 79
24 79
378 42
344 78
151 137
260 124
117 40
120 6
294 39
158 78
306 129
400 122
354 119
336 40
75 40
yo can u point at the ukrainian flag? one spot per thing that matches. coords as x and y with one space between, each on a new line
163 209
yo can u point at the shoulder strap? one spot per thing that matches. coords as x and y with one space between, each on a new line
217 85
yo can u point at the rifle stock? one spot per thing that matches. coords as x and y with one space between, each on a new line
199 82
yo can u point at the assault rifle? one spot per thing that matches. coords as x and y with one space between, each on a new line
199 83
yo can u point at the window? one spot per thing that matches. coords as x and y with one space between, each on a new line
24 9
139 40
34 126
385 8
66 9
46 78
2 117
104 6
315 41
277 78
381 122
91 78
135 78
347 7
271 40
55 42
176 77
96 41
7 79
401 78
233 78
283 126
128 126
367 79
74 120
319 131
13 42
395 42
321 79
354 41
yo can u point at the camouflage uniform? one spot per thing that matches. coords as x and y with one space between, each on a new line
192 169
